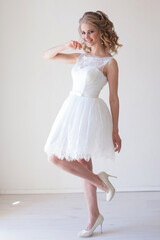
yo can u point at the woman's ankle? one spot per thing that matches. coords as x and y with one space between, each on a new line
94 214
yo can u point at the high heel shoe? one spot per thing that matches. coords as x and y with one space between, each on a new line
87 233
104 177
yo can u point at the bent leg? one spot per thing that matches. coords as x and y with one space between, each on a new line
76 168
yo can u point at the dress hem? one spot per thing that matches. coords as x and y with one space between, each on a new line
86 157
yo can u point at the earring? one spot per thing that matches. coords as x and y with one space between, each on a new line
102 41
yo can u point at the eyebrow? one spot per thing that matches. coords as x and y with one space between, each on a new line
88 30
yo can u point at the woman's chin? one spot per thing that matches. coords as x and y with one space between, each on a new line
89 43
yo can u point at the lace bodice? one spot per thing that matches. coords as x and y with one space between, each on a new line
87 74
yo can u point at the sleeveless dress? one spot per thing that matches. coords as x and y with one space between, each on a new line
83 126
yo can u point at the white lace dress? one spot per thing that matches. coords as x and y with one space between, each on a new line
83 126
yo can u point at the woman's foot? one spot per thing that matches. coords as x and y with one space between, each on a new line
92 221
104 176
88 233
103 186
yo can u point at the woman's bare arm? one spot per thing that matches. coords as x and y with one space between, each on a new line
111 71
54 53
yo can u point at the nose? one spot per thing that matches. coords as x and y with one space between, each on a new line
87 36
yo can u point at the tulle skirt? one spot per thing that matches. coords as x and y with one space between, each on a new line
82 129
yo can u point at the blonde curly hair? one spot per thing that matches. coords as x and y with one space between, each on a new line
101 21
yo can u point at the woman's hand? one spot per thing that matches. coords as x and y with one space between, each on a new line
116 141
74 45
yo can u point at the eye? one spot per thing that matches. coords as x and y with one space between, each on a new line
89 32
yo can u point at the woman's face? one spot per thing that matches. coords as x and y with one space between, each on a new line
90 34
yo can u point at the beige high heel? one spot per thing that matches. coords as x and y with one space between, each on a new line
104 177
85 233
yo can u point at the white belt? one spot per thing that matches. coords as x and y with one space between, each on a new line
81 94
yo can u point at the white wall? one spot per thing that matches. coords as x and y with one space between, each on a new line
33 90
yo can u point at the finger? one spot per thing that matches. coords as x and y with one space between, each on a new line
119 149
74 44
79 46
116 148
119 145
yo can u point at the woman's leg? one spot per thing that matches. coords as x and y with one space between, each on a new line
90 192
78 169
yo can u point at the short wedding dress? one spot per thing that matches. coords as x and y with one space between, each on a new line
83 126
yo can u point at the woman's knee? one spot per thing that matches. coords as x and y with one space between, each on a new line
53 159
87 164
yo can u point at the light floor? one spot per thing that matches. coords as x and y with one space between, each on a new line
129 215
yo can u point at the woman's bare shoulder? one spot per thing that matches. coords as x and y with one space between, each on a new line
111 65
77 55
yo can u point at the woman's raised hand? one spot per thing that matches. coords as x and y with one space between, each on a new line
74 45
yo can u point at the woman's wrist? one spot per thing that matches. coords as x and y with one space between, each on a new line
66 45
115 131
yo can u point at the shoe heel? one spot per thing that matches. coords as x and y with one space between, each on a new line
101 227
111 176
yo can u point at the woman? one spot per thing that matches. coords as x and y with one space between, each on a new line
84 128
